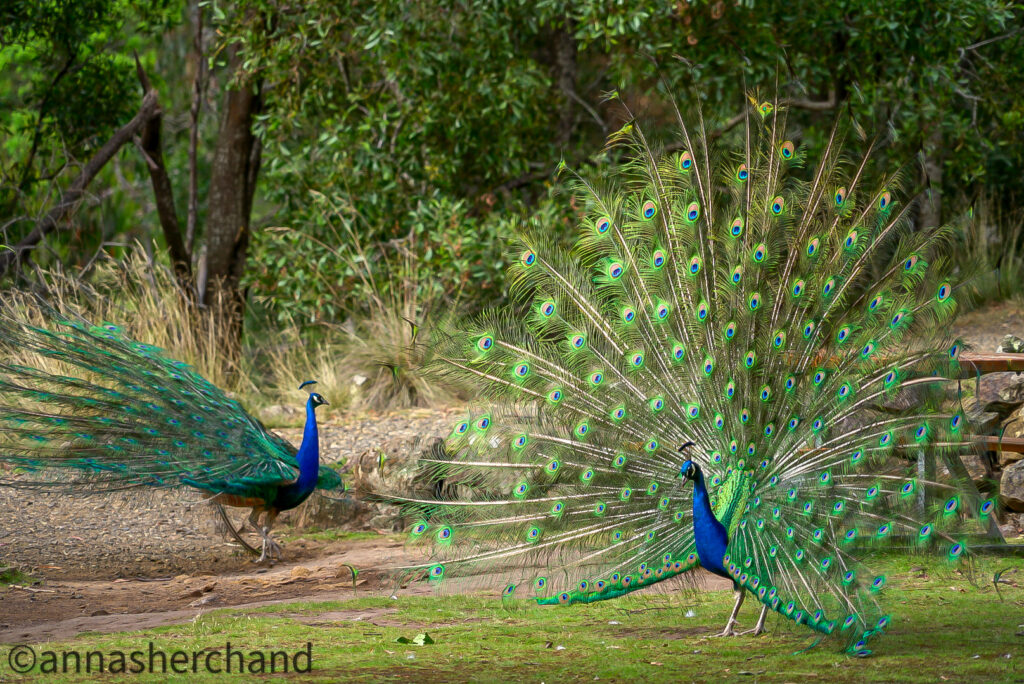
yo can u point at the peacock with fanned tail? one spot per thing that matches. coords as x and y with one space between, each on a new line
733 367
137 419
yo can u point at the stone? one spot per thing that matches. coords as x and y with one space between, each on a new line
977 466
1013 393
982 420
1011 344
999 393
1013 525
1007 458
1013 428
1011 487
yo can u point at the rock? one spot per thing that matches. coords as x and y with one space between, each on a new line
1011 344
1013 393
1013 428
981 419
1013 525
1011 487
1009 457
999 393
977 466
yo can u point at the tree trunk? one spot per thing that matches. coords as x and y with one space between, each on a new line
234 170
930 213
150 143
565 67
55 219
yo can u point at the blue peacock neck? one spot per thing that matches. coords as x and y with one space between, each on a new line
709 534
308 459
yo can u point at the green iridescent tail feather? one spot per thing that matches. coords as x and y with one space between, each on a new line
113 414
779 313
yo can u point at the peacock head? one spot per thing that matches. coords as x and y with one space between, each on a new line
688 470
315 398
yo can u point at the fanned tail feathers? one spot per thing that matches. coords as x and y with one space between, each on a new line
780 315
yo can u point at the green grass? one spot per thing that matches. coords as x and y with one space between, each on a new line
944 626
15 576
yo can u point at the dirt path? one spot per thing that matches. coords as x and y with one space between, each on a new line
58 609
62 609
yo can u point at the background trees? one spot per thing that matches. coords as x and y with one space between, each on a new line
324 162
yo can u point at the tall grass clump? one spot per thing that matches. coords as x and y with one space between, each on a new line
380 349
144 298
993 243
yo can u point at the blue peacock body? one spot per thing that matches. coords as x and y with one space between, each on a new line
137 419
731 367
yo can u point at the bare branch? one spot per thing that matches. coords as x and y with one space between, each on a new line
163 193
54 218
816 105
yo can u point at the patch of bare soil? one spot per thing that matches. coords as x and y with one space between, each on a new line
985 328
167 533
60 608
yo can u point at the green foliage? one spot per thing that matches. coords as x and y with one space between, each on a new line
67 82
433 129
401 112
15 576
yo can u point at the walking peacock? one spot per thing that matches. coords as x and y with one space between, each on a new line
137 420
731 367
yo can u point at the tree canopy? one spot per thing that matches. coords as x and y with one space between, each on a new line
407 138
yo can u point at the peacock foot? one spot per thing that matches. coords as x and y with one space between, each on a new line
271 549
755 631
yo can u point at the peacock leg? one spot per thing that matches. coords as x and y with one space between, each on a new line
271 549
254 518
728 631
759 627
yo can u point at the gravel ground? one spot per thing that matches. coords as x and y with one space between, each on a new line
169 532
